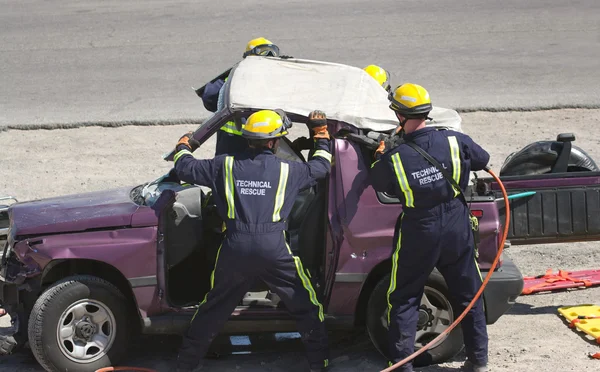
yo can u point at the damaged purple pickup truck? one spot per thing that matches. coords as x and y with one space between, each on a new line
82 274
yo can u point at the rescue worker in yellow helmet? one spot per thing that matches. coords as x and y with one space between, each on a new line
380 75
254 192
229 137
428 170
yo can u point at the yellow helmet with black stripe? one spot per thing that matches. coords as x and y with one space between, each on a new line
265 124
410 100
261 47
380 75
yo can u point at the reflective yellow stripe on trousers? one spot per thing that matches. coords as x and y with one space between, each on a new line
455 154
394 272
306 282
229 186
403 181
212 283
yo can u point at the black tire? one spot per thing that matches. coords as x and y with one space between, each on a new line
377 323
50 306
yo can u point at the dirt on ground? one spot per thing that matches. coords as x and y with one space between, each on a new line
530 337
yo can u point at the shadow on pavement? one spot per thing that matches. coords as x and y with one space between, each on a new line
526 309
350 352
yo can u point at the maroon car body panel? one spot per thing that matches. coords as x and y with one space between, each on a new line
79 212
108 227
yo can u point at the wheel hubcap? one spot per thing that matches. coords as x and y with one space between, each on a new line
434 316
86 331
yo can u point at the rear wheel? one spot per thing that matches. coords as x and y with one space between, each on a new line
79 324
435 315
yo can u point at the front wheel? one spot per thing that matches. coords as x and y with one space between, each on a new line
435 315
80 323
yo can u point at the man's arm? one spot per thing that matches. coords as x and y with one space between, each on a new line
210 95
317 167
479 157
382 178
319 164
190 169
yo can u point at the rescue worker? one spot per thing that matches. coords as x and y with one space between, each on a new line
434 228
254 192
378 73
229 137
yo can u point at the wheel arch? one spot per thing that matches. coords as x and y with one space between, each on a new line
375 275
61 268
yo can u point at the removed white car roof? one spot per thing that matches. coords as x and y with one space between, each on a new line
345 93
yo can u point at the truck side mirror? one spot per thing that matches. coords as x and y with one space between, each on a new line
565 137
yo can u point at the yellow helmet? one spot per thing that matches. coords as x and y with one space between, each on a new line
266 124
410 100
380 75
261 47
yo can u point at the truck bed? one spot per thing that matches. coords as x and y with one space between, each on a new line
565 207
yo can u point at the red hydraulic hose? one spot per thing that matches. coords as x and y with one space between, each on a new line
485 281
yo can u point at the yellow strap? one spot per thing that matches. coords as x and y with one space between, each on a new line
229 186
403 181
323 154
455 154
284 171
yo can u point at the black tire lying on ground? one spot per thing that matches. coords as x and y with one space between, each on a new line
539 158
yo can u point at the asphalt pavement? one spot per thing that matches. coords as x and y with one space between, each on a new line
72 61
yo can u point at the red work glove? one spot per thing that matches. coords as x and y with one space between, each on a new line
187 142
317 122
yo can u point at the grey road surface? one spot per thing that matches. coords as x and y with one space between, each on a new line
70 61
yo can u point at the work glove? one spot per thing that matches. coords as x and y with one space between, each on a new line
317 123
380 149
302 143
187 142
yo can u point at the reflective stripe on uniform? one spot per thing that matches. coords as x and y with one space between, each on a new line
305 281
403 181
394 272
455 154
230 127
212 282
284 170
180 154
229 186
323 154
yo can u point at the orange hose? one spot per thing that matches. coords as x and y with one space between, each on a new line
485 281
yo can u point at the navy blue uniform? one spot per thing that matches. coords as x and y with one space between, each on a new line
229 138
433 230
254 193
210 96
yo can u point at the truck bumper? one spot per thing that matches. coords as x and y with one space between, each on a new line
501 292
